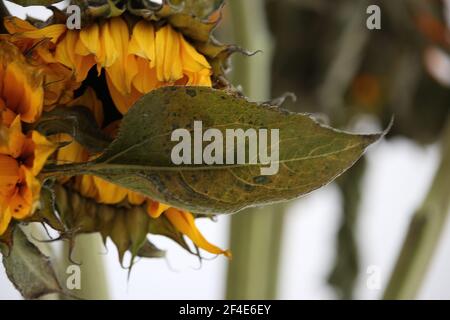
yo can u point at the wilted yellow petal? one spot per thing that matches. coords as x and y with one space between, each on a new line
109 193
9 176
52 32
43 148
122 102
65 50
86 186
21 203
124 68
7 116
184 222
11 138
5 218
71 153
22 90
16 25
145 80
155 208
142 41
89 37
135 198
109 52
192 60
168 60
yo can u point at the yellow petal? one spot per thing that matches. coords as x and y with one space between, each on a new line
7 116
123 69
43 148
192 60
9 176
145 80
142 41
52 32
122 102
90 38
71 153
65 50
22 90
109 52
184 222
155 208
5 218
12 139
83 65
135 198
15 25
109 193
168 60
27 192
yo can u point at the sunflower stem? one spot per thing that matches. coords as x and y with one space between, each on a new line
424 232
255 233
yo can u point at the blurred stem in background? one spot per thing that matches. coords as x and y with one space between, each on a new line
255 233
424 232
346 266
87 252
346 62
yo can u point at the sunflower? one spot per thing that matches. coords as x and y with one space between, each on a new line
22 155
136 59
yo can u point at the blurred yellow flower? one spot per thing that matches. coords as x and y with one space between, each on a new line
21 90
21 159
22 156
59 81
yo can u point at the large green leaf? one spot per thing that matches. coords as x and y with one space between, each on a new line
310 154
28 269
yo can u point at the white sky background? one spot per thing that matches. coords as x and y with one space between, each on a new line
398 176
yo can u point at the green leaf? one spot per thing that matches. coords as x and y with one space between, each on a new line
28 269
27 3
310 154
76 121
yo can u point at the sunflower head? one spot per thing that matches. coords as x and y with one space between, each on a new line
123 56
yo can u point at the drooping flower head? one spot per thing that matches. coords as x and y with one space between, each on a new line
135 59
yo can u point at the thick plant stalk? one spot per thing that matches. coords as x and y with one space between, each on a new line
255 233
424 233
89 255
346 266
